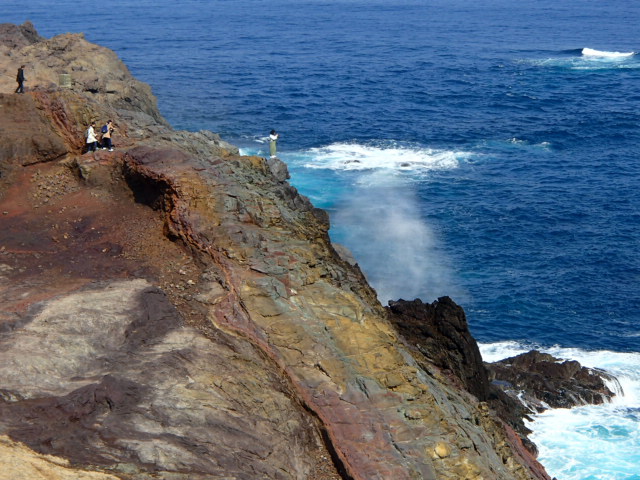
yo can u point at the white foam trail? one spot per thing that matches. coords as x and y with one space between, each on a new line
354 156
591 59
591 442
590 52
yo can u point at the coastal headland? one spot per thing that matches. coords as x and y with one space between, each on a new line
172 309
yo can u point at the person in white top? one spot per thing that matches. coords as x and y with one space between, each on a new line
273 139
92 140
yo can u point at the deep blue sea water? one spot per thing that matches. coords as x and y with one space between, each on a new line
484 150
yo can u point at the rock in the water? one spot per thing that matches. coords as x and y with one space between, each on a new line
542 381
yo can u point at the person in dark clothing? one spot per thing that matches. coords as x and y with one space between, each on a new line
20 79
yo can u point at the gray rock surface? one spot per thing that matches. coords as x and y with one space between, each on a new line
69 379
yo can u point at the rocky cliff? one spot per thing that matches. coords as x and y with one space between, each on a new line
175 310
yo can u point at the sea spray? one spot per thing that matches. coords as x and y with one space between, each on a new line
379 217
399 252
587 59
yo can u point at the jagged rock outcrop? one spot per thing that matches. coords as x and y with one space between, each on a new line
90 68
441 333
515 387
541 381
438 334
174 310
15 37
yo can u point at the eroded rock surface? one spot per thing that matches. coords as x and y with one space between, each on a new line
174 310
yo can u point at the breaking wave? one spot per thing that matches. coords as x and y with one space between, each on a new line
588 442
590 52
589 59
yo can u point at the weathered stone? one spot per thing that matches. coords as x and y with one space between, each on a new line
442 450
14 37
21 463
70 369
542 381
278 169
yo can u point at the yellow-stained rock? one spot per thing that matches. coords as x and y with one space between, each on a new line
442 450
18 462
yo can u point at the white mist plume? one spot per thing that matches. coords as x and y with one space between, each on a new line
397 251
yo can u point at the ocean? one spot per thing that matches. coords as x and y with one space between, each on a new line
486 150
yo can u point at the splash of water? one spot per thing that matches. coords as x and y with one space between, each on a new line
378 216
600 442
398 251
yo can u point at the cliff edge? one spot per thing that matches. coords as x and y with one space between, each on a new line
175 310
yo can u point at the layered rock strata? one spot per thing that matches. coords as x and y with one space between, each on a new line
175 310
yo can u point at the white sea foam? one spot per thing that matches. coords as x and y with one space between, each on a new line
590 52
591 442
355 156
591 59
493 352
588 442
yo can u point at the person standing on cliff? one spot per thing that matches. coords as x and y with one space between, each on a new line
92 140
107 130
20 79
273 140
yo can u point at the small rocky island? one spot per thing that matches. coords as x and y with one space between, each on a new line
175 310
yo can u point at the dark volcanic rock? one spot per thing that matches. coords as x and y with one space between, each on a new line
440 331
543 381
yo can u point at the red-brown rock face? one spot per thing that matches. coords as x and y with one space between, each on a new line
174 310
